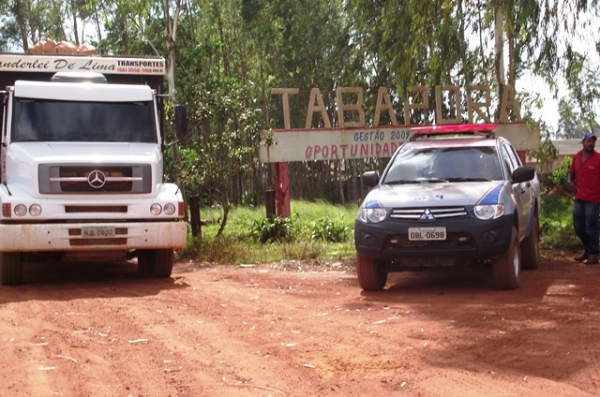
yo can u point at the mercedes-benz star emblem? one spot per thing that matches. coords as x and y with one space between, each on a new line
96 179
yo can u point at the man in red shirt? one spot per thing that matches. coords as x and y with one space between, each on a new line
584 180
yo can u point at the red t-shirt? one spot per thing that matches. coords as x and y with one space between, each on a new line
587 177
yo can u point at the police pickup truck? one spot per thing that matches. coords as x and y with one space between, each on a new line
451 195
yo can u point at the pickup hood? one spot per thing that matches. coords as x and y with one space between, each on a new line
34 153
435 194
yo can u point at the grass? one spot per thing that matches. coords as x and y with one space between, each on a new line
322 231
315 230
556 224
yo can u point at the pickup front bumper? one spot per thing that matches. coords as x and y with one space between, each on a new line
465 238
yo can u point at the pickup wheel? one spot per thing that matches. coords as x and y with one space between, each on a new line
507 268
530 248
371 274
11 268
155 263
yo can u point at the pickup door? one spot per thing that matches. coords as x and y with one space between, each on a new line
523 191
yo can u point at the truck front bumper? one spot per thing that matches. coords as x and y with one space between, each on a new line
108 236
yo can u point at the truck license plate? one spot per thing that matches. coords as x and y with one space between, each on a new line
426 233
98 231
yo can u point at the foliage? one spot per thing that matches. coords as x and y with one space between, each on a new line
556 224
547 154
331 230
272 230
561 174
253 238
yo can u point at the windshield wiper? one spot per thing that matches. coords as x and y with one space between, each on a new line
465 179
400 182
431 180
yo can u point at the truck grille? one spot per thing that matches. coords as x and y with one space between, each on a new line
94 179
428 213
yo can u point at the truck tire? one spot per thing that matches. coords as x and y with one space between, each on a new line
11 268
530 248
156 263
371 275
507 268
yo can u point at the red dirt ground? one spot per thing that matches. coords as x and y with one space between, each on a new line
298 329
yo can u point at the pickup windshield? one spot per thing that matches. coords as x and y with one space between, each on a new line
59 121
447 164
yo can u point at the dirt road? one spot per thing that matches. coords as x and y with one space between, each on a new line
298 330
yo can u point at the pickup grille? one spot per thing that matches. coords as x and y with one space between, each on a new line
428 213
95 179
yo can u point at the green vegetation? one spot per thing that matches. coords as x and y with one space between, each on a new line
556 224
319 230
316 230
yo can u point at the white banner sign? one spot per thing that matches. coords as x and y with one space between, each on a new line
362 142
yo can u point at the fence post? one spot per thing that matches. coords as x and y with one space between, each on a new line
195 216
270 203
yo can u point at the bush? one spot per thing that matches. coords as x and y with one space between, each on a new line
330 230
276 230
560 175
556 224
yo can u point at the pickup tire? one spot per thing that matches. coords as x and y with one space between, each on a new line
507 268
371 275
530 248
156 263
11 268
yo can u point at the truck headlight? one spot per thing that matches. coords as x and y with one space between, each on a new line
491 211
20 210
35 209
372 215
155 209
169 209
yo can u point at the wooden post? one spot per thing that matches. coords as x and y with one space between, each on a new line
282 190
270 203
195 216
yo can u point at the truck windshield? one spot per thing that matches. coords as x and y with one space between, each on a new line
58 121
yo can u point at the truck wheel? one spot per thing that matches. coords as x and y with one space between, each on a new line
530 248
11 268
371 275
156 263
507 268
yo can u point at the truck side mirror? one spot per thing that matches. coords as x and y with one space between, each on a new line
180 120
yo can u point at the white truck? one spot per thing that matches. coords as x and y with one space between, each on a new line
81 163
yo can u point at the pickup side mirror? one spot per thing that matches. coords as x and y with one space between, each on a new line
523 174
180 120
370 178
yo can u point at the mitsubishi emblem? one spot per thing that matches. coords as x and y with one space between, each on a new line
427 215
96 179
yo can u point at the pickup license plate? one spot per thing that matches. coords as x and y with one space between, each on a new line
98 231
426 233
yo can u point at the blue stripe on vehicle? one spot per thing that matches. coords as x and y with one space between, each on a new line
491 196
373 204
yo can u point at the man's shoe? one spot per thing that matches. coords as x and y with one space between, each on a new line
581 257
591 260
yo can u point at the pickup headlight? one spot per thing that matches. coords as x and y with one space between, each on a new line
491 211
372 215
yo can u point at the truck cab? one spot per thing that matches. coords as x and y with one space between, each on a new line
81 163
